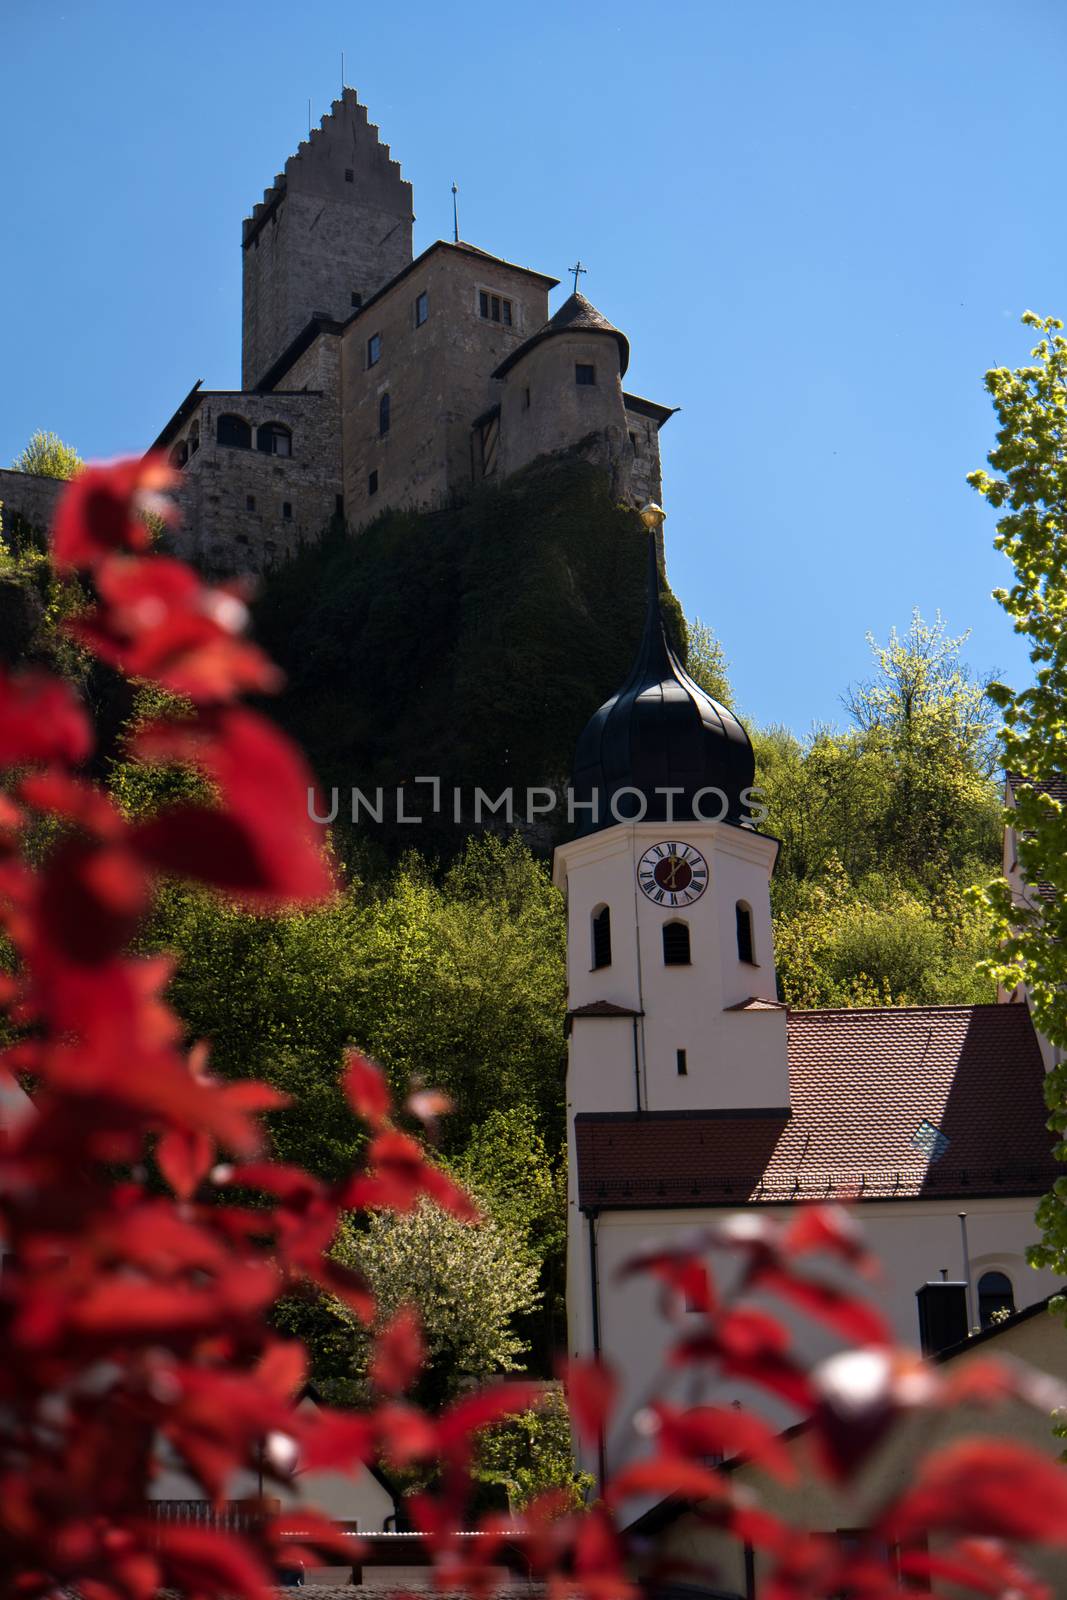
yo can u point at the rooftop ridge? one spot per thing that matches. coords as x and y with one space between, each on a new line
881 1011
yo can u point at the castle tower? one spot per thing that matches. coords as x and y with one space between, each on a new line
330 231
672 998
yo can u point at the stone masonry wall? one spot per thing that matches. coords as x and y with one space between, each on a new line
232 502
645 475
559 412
336 223
31 498
437 377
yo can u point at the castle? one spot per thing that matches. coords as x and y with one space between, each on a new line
373 379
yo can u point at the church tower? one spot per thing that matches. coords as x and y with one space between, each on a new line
672 997
333 228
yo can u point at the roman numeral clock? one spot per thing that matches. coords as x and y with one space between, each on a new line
672 874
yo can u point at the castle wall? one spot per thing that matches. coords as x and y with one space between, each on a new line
436 375
646 482
544 408
232 501
31 498
336 223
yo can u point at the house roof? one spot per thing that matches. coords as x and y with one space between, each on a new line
576 315
891 1104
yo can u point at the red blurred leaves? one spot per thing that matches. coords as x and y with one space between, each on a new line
366 1089
991 1487
591 1392
101 510
40 720
398 1353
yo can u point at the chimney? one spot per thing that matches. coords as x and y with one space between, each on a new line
942 1315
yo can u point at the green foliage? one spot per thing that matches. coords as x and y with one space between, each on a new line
706 663
533 1453
469 1282
46 456
1030 490
142 788
471 642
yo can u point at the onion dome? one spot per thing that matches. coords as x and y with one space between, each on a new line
576 315
661 731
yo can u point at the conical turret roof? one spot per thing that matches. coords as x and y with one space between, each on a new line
576 315
660 732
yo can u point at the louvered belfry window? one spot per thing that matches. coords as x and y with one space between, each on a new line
676 944
602 938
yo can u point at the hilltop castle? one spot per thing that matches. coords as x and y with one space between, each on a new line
373 379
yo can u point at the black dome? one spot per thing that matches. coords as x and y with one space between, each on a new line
661 731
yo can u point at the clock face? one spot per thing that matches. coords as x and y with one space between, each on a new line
672 874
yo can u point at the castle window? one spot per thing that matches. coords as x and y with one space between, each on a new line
250 502
194 438
526 399
584 373
681 1063
234 432
372 482
350 176
383 415
287 510
745 947
633 443
602 937
274 439
422 308
675 944
374 349
180 454
494 308
338 505
996 1298
357 299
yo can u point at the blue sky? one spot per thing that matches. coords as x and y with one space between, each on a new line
817 223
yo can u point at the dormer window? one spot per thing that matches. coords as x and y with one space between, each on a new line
494 308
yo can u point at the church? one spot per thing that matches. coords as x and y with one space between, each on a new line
692 1091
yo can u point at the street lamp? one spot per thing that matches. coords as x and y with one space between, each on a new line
653 516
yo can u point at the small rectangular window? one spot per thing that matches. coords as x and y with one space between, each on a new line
250 502
505 306
339 505
633 443
287 510
374 349
584 372
422 308
350 176
357 299
372 483
526 399
683 1068
494 308
483 303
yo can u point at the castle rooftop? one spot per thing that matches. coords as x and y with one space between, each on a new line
576 315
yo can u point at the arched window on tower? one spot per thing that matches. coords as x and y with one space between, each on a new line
676 944
274 439
180 454
194 438
234 432
383 415
602 937
745 948
996 1298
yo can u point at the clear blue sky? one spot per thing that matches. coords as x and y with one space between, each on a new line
817 222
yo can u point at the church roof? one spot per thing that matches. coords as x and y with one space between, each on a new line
576 315
662 732
893 1104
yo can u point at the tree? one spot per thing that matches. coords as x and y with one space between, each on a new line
46 456
1030 490
532 1454
467 1281
706 662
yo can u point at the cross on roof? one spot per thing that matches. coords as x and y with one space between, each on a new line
578 270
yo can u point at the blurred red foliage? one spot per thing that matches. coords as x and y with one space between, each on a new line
133 1320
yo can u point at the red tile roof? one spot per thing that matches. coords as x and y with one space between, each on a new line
885 1105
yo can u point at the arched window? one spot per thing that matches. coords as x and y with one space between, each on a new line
274 439
996 1298
383 416
676 944
194 438
745 949
180 454
602 937
234 432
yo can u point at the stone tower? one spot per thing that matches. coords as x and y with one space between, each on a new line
330 231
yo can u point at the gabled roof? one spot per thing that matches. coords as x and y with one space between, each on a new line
576 315
892 1104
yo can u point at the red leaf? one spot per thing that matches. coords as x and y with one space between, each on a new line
489 1405
91 901
334 1439
715 1430
99 510
366 1089
41 720
204 1562
829 1229
405 1434
184 1156
591 1391
990 1487
666 1475
283 1367
398 1354
854 1319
